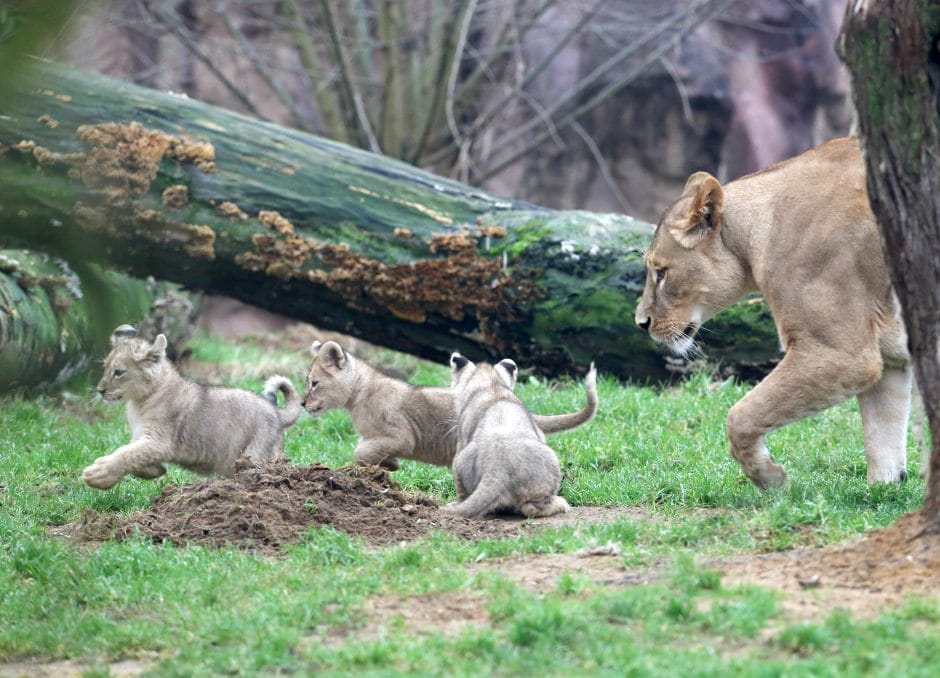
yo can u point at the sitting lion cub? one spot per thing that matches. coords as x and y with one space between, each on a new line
503 462
204 429
396 420
803 234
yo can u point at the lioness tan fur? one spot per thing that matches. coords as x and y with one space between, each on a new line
204 429
802 233
396 420
502 461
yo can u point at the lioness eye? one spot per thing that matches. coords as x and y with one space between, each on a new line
118 373
660 274
313 384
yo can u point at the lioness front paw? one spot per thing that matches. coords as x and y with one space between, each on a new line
768 475
100 476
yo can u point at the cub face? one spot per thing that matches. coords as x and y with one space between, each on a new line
330 379
132 367
690 273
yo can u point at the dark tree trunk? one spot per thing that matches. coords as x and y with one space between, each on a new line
892 48
348 240
54 322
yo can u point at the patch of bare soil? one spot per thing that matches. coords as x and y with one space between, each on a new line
268 506
448 613
864 576
68 668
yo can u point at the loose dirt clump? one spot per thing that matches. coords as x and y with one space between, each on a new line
268 506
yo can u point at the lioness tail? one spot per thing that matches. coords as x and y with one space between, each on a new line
291 410
553 423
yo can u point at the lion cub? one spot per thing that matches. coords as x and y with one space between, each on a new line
503 462
396 420
204 429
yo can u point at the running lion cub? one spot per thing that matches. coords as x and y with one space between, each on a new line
503 462
396 420
201 428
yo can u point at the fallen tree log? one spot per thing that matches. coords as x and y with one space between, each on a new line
54 322
157 184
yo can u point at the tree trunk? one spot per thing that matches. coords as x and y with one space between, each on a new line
892 48
54 322
158 184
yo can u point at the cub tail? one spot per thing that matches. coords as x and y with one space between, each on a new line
487 498
553 423
291 410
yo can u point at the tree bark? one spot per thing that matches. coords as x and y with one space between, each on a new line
54 322
892 48
158 184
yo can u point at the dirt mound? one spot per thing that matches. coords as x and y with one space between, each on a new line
864 575
268 506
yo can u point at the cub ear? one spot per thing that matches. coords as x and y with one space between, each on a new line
156 351
122 332
703 218
315 348
508 370
332 355
457 361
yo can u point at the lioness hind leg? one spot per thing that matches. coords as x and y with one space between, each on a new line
545 506
807 380
885 408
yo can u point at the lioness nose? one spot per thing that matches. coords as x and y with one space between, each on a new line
644 324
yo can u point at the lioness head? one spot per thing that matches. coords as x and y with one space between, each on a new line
133 366
690 273
330 379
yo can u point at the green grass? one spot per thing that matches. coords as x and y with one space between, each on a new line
195 610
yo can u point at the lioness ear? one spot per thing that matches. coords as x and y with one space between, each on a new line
315 348
332 355
704 216
457 361
122 332
155 352
508 370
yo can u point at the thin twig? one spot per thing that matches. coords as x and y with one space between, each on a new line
347 78
683 95
604 168
712 7
260 68
455 69
500 104
333 120
173 24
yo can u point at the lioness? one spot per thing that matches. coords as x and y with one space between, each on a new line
204 429
502 461
396 420
802 233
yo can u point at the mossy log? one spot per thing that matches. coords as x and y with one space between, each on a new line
54 322
158 184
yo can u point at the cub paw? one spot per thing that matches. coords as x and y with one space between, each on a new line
100 476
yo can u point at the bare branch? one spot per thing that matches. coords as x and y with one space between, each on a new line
455 69
500 104
172 22
711 7
348 80
333 120
604 168
260 68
